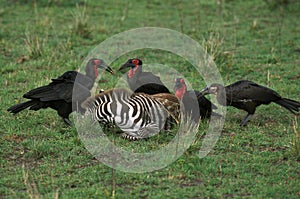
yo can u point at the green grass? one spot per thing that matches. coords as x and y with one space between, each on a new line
256 40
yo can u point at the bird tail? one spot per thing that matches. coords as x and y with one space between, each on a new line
20 107
291 105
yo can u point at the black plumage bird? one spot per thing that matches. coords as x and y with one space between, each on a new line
142 82
247 95
193 101
59 93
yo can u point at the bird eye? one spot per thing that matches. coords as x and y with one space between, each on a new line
135 62
214 89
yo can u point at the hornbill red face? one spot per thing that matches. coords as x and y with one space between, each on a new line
179 88
93 65
133 64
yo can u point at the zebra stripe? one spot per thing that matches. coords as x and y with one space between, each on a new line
137 114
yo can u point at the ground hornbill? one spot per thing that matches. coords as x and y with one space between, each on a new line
58 94
247 95
195 104
142 82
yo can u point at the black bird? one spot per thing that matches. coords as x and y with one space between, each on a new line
142 82
193 101
247 95
58 94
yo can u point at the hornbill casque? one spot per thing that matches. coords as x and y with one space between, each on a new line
142 82
247 95
195 104
58 94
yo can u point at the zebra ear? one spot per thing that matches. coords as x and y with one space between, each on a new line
101 91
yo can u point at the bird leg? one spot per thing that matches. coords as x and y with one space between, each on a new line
217 115
246 119
67 121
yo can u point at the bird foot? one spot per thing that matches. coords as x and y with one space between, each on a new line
242 124
67 121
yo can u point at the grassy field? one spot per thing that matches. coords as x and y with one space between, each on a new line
256 40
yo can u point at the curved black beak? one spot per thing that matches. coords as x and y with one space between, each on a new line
205 91
126 65
103 65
